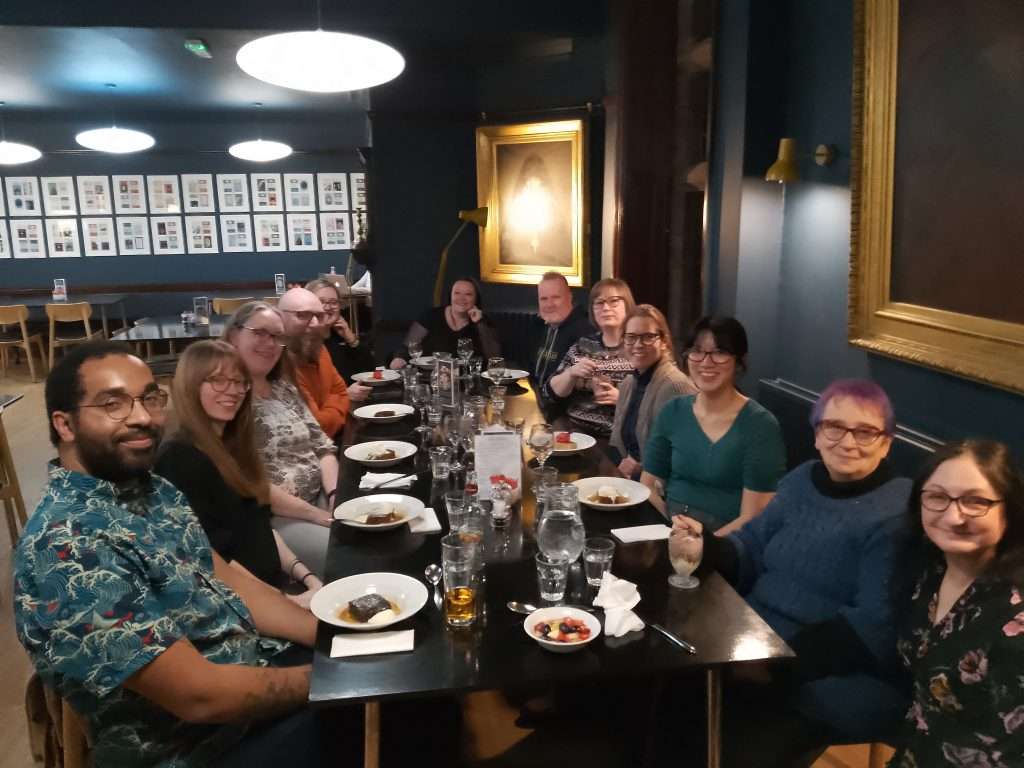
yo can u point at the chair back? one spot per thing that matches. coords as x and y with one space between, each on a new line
75 312
15 314
227 306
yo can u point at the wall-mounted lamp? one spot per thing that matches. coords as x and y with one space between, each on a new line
476 216
784 169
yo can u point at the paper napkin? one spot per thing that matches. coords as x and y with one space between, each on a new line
369 643
655 532
427 522
371 480
617 597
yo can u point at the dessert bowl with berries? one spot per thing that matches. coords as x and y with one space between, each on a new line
561 629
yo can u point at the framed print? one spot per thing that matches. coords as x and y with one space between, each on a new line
98 236
27 241
164 195
132 235
62 237
201 234
332 189
270 234
299 192
58 195
266 192
197 192
22 196
302 232
530 177
129 194
447 376
3 210
167 235
236 233
336 232
5 241
233 192
358 191
904 234
94 195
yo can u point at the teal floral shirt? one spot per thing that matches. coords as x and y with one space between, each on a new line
968 677
108 577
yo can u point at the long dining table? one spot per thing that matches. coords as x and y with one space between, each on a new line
497 654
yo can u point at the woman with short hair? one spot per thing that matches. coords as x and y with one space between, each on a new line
348 351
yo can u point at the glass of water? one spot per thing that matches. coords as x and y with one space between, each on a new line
552 575
496 368
455 503
598 553
440 462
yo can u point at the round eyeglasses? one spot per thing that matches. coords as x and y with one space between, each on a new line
223 384
305 315
120 406
970 505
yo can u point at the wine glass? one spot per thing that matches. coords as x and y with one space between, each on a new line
454 438
415 350
496 367
464 349
685 549
542 442
420 396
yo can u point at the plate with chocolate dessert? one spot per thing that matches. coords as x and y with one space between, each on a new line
379 511
384 413
380 453
369 601
611 492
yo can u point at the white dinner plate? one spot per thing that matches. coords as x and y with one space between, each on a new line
349 512
406 593
582 440
634 492
511 374
386 377
424 361
369 412
361 452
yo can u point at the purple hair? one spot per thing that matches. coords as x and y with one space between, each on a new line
865 392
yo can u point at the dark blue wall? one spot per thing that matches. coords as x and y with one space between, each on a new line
780 257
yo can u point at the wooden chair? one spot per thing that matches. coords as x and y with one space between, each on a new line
76 312
17 314
227 306
10 490
58 736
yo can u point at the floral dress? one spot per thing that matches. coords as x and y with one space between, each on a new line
968 677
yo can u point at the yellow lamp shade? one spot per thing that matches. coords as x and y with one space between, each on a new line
784 169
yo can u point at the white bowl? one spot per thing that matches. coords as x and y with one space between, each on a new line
367 378
360 452
511 374
636 492
583 442
560 612
368 412
349 512
407 593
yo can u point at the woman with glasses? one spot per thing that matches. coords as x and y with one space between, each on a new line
962 634
212 459
718 454
348 352
654 381
817 565
299 459
587 380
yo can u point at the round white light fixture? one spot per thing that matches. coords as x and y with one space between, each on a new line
115 140
13 153
318 61
260 151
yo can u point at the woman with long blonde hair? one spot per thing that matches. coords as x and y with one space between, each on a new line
213 460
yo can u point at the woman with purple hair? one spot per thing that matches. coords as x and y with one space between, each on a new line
816 564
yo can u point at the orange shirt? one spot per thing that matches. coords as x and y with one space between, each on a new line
324 392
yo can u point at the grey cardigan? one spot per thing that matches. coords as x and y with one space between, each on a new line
668 382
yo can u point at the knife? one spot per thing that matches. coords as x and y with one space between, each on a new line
677 640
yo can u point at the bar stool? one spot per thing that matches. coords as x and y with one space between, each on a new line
227 306
76 312
10 490
17 314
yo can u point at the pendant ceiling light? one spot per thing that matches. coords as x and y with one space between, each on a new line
115 140
13 153
260 151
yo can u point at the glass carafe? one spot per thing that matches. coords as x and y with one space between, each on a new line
560 532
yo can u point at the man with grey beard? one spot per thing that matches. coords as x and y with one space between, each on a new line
322 388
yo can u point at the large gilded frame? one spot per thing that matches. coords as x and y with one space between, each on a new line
488 139
991 351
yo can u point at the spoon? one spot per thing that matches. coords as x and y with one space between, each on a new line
432 573
528 608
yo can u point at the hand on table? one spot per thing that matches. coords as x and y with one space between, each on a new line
397 364
359 392
303 599
629 466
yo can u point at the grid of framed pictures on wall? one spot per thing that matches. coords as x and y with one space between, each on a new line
194 213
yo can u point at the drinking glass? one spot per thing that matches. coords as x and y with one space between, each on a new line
552 574
415 350
497 402
461 578
419 394
440 462
434 413
501 504
543 478
476 407
464 348
455 503
684 552
598 553
515 423
496 367
542 442
454 439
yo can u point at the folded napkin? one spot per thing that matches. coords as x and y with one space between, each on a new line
656 532
427 522
368 643
371 480
617 596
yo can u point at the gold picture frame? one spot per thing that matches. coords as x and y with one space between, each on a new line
531 178
980 348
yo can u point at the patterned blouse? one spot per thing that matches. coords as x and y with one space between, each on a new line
580 402
290 441
106 578
968 677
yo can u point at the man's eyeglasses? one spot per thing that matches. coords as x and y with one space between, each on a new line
119 406
718 357
305 315
971 506
611 302
834 432
643 339
262 334
223 384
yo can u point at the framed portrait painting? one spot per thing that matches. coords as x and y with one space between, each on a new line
530 177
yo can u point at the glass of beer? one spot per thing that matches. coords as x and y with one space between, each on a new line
459 565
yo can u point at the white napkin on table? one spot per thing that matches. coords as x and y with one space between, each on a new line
371 480
617 597
368 643
427 522
655 532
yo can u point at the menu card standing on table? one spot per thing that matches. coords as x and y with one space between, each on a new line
498 452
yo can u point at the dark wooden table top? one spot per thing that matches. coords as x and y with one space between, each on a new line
497 653
99 299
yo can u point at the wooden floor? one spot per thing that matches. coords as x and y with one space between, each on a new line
26 427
